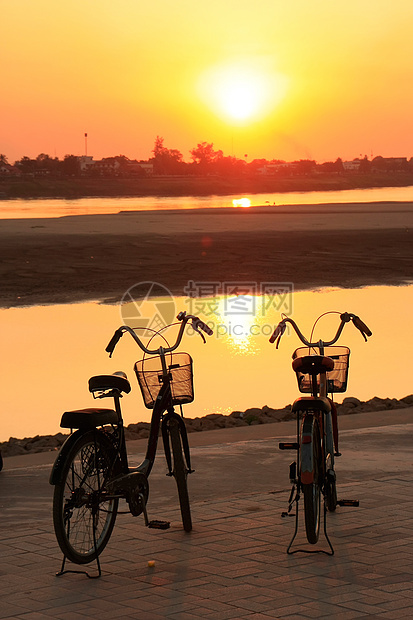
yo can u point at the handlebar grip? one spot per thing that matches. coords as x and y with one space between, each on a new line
361 326
278 331
205 328
114 341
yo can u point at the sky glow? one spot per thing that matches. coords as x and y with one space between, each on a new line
269 79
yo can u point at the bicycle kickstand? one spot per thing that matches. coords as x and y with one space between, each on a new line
295 500
63 571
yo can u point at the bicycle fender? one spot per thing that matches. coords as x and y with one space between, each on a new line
56 473
307 468
306 457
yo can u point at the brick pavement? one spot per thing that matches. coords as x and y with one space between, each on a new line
233 564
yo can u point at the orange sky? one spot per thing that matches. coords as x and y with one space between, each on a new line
269 78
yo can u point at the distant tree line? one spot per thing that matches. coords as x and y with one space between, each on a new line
204 160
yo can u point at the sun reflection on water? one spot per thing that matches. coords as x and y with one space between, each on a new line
239 320
241 202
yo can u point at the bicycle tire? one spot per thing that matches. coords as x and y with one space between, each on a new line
330 489
180 473
77 508
1 462
310 454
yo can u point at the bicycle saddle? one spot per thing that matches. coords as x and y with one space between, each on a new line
117 381
313 364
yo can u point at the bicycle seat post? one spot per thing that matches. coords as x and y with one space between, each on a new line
117 395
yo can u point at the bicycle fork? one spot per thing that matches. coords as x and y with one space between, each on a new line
175 418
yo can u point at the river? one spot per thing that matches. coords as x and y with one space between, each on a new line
39 208
49 352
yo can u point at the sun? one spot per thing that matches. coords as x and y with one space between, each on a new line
242 91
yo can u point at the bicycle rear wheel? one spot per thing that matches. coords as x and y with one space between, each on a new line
310 453
180 473
83 520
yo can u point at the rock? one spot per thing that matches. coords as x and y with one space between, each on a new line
218 419
252 416
350 401
375 404
345 410
393 403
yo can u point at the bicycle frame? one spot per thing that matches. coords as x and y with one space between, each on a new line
91 472
316 433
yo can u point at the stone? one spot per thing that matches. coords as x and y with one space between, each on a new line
350 401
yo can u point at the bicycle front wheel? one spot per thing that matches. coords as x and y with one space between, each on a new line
310 469
330 476
83 519
180 473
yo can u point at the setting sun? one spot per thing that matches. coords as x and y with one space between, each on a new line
286 81
242 91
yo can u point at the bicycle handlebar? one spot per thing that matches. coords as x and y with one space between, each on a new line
197 325
114 341
345 318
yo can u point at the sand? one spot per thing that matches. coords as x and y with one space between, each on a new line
77 258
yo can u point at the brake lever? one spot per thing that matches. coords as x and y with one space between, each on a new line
196 329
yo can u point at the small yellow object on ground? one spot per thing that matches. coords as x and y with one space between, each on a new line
151 563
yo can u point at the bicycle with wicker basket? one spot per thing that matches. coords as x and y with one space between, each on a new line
322 370
91 473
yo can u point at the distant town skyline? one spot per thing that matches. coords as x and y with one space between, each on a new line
268 79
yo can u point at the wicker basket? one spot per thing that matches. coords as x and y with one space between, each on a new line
149 374
336 378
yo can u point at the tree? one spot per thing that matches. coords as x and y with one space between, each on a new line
45 162
204 154
3 159
167 161
71 166
26 165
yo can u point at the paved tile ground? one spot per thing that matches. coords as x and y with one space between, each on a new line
232 565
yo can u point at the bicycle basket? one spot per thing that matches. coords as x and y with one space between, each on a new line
336 378
149 374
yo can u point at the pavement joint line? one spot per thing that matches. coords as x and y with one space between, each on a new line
233 564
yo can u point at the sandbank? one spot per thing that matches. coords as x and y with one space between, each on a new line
78 258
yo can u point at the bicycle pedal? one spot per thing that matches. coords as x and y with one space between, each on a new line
288 514
159 525
349 502
288 446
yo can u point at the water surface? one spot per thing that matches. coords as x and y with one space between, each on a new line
49 352
37 208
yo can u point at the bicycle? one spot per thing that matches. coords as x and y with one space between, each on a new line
321 369
91 473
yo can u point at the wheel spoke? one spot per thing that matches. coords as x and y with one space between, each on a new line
83 520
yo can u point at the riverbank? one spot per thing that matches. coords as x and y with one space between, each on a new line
214 421
46 187
89 257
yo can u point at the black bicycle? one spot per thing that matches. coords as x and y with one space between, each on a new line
91 473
